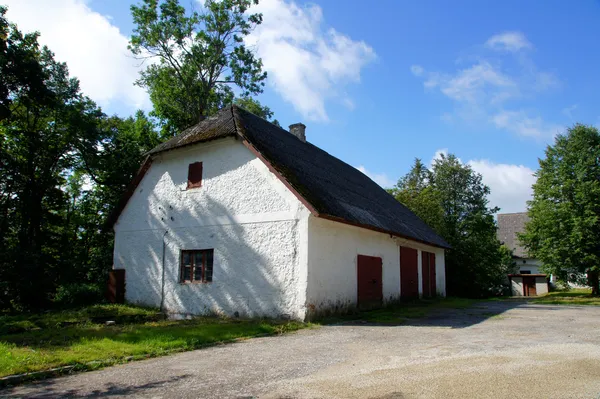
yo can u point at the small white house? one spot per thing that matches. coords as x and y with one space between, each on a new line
529 280
237 216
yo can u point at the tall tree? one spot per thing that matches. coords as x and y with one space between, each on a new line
199 58
564 227
19 66
452 199
45 125
415 191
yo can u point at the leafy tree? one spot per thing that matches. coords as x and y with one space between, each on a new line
452 199
415 191
45 125
18 64
564 227
250 104
201 58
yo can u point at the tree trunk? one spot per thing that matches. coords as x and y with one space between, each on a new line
593 282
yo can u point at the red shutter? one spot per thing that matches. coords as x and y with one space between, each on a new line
195 175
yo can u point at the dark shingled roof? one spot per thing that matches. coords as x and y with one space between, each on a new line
330 188
509 224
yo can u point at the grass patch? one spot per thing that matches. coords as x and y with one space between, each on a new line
399 313
38 342
576 296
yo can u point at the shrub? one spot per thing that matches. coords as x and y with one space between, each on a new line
70 295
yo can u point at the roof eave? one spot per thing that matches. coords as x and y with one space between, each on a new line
379 230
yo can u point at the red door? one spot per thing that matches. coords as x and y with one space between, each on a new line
529 288
409 273
428 270
370 287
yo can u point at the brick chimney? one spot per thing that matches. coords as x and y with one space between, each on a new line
299 130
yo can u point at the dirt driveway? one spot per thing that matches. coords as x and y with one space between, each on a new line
492 350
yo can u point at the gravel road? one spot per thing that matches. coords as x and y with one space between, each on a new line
491 350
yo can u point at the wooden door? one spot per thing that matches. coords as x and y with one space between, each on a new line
115 290
428 270
369 279
529 286
409 273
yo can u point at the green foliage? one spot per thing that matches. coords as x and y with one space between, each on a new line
45 128
564 227
252 105
77 294
64 167
200 58
19 66
416 192
451 198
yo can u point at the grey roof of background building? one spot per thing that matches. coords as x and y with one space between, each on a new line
331 188
509 224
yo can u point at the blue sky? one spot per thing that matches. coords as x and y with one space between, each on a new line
379 85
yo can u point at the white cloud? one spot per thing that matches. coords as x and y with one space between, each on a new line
473 84
93 48
520 123
508 41
495 90
306 65
438 155
380 178
510 185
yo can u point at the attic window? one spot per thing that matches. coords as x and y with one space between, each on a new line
195 175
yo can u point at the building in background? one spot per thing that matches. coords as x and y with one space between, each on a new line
528 280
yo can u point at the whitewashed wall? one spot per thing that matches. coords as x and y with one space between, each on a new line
533 265
332 264
541 286
516 286
258 230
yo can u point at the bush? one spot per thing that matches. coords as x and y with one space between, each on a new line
70 295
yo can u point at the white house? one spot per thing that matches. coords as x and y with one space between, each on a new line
529 280
237 216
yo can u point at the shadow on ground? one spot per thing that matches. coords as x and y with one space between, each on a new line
435 315
108 390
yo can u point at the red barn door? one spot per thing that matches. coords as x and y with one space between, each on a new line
369 279
409 273
428 270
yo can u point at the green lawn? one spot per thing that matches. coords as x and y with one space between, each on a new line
80 338
579 296
43 341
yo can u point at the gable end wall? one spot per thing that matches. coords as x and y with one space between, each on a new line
256 226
